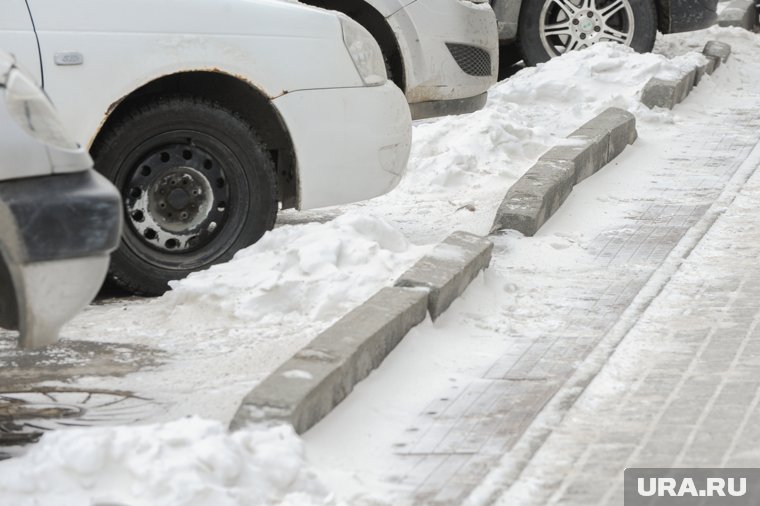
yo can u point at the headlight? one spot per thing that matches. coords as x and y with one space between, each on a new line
32 110
364 51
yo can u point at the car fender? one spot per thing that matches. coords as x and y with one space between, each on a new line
249 39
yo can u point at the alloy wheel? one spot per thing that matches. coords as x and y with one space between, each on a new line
567 25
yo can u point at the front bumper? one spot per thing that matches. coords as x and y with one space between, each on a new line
424 110
450 49
56 234
351 144
686 15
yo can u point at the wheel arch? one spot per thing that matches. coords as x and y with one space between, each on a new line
239 95
375 23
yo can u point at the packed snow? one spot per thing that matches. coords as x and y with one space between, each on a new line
188 462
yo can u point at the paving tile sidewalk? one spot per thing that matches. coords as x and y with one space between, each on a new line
682 389
465 435
460 439
553 317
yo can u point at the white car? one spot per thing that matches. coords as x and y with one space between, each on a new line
442 53
210 115
59 219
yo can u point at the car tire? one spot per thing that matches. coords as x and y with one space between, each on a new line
548 27
9 310
509 56
198 185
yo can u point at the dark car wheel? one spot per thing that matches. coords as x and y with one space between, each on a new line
549 28
197 183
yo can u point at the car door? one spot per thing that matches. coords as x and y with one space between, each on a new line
17 37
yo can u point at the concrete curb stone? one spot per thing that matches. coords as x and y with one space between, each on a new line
586 156
537 195
668 93
740 13
719 51
711 65
596 143
309 385
700 72
618 125
448 269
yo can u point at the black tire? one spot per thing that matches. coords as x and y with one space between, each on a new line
9 312
532 47
228 202
509 56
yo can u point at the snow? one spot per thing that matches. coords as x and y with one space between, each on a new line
190 462
460 166
236 322
304 273
522 297
218 332
222 330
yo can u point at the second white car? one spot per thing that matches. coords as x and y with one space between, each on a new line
442 53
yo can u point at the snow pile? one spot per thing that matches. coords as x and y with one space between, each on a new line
466 162
312 272
533 110
222 330
190 462
744 43
296 278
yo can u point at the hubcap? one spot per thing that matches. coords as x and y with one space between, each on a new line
176 198
567 25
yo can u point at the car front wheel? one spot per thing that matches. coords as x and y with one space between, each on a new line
197 183
549 28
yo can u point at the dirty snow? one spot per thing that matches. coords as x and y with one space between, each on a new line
188 462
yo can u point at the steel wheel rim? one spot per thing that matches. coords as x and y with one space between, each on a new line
568 25
176 198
